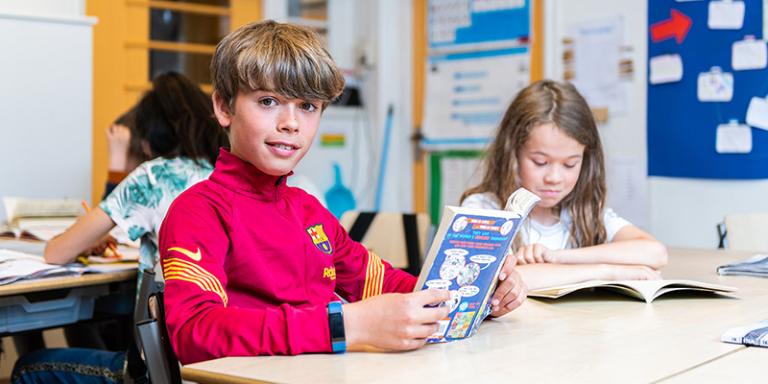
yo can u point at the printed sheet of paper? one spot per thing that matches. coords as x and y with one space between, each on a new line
749 54
466 97
596 63
726 14
733 138
458 175
715 86
757 113
666 69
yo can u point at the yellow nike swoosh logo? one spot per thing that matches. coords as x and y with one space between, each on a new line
196 256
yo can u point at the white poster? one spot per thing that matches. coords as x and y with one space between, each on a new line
466 96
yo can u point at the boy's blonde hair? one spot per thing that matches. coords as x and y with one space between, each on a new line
283 58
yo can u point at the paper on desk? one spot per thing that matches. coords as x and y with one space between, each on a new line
666 69
715 85
749 54
733 138
757 113
726 14
18 265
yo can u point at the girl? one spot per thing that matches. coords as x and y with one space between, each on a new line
175 126
548 143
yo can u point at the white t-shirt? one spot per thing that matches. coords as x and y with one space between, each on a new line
553 236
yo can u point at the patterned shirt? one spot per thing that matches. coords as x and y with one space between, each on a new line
139 203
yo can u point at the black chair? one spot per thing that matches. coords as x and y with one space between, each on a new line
151 335
399 238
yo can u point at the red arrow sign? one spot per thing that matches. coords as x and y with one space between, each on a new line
676 27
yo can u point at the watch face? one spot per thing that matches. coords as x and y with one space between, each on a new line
336 325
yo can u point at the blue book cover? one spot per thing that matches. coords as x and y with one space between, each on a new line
466 256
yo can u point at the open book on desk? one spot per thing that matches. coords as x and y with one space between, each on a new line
647 290
465 258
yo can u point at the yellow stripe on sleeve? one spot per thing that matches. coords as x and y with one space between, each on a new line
374 276
183 270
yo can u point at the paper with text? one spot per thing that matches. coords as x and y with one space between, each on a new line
715 85
749 54
666 69
726 14
757 113
733 138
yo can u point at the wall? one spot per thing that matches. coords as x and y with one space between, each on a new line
379 34
679 212
45 100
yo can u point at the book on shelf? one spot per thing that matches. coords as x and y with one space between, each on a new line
754 334
465 258
38 219
646 290
756 265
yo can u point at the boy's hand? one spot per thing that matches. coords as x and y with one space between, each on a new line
511 291
533 254
394 321
118 140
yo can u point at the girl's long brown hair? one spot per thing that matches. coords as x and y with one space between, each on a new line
543 102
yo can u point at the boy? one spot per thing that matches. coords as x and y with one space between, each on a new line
251 265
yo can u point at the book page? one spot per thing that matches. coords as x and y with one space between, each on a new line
17 207
647 290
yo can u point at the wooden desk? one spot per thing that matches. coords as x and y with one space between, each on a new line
52 302
603 337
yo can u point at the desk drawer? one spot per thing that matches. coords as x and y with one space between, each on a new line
48 309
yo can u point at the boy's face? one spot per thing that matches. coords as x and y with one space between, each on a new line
268 130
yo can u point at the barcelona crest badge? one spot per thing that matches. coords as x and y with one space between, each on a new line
319 238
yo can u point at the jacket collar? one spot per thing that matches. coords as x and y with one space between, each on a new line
239 175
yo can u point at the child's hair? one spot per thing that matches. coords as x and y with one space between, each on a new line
176 119
561 104
275 57
135 151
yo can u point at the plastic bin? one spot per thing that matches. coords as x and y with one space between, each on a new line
19 313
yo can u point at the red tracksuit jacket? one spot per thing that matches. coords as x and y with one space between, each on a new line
250 265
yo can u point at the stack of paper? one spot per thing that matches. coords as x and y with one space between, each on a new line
756 265
39 219
754 334
16 265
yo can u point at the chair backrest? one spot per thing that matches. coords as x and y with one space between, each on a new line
747 232
151 334
398 238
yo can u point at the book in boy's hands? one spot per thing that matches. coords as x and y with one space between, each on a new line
753 334
756 265
647 290
466 256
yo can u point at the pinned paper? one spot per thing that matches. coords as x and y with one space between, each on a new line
666 69
726 14
733 138
715 85
749 54
757 113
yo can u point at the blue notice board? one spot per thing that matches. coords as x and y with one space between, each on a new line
681 129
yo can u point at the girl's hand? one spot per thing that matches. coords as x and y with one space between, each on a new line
511 291
395 321
118 140
631 272
100 246
534 254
